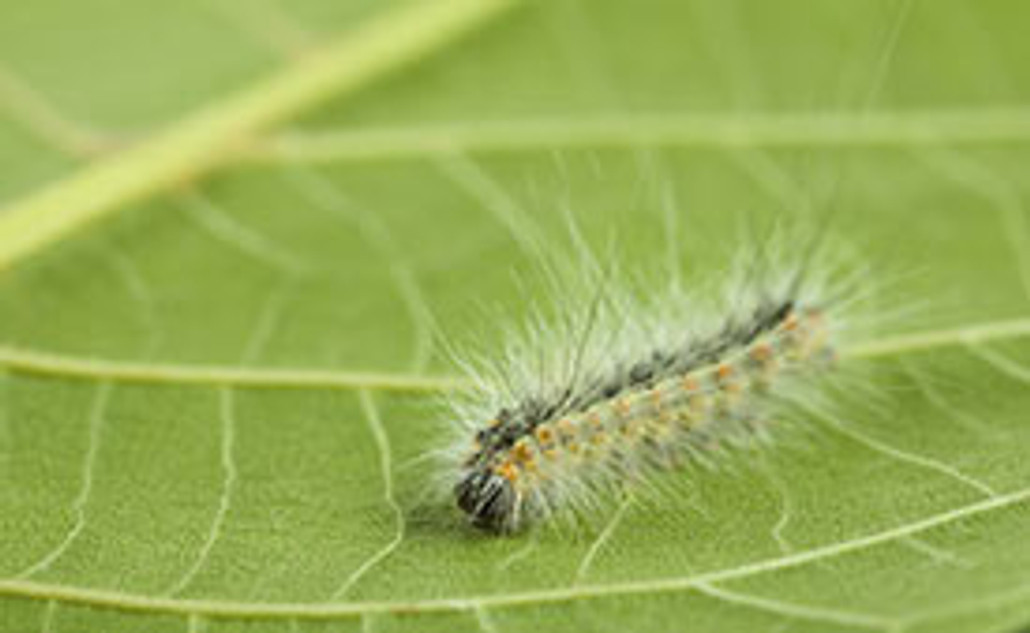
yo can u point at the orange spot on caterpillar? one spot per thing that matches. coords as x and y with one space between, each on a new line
508 471
761 353
566 428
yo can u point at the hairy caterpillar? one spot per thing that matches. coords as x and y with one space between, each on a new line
633 382
610 388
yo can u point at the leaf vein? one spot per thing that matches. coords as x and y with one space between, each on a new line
51 364
1003 364
229 475
827 129
324 194
39 116
223 227
371 414
795 610
134 602
601 540
485 622
907 457
201 142
1001 194
96 424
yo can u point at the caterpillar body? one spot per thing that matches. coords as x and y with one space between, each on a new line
646 385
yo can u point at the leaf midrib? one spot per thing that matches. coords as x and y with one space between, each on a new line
201 142
909 128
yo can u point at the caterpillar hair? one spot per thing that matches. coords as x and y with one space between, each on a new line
616 382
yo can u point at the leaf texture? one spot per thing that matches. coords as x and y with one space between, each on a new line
236 233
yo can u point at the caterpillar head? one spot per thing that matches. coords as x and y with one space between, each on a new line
486 490
489 499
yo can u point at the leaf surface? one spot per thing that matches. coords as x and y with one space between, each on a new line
230 227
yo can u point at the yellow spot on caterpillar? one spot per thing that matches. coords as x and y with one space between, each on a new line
544 434
521 452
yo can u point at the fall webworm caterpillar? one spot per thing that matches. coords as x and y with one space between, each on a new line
618 380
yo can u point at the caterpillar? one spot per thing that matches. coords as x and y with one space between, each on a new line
587 400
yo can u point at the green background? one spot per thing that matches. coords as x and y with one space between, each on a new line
216 391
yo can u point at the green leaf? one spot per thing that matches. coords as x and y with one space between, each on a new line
231 229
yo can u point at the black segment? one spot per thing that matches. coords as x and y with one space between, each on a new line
489 500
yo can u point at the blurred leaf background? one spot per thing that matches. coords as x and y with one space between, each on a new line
227 227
